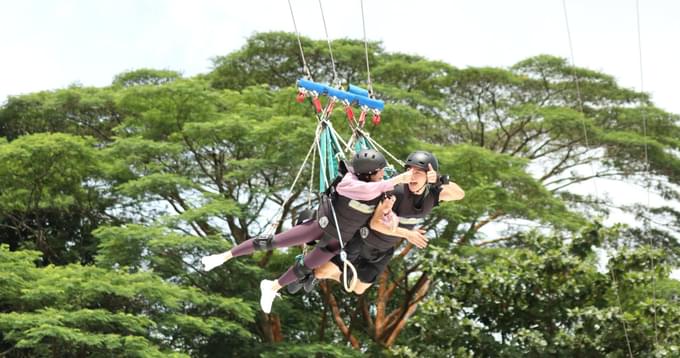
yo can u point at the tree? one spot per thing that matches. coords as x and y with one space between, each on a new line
543 296
52 197
84 311
145 76
531 111
83 111
182 167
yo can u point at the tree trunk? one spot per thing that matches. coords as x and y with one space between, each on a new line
389 326
270 325
335 311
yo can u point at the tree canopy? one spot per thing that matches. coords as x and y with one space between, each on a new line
109 197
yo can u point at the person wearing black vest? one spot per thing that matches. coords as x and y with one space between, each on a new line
353 200
339 217
395 219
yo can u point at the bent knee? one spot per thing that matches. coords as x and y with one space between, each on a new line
361 288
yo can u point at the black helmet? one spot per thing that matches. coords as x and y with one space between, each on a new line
368 161
420 159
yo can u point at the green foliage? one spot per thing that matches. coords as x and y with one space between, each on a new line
45 171
149 174
51 195
145 77
76 110
309 350
545 298
71 310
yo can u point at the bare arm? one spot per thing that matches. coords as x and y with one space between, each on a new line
391 226
451 191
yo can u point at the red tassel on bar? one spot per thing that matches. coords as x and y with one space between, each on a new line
329 109
317 104
350 114
362 118
300 97
376 119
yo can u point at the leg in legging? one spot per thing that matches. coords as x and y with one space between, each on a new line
297 235
314 259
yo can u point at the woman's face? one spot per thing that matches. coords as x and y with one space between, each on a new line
418 180
379 175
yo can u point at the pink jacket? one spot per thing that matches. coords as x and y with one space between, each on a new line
351 187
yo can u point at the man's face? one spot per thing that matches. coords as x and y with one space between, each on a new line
418 180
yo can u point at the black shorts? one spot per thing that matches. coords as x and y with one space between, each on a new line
368 262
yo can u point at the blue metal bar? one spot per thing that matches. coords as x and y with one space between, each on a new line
358 90
353 98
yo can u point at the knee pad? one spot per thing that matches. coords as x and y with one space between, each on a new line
263 243
301 271
305 216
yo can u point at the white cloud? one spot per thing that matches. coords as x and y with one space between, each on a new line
91 42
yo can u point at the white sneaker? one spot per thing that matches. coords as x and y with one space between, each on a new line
212 261
268 294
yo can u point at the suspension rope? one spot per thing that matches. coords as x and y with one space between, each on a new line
578 94
302 53
343 255
647 173
330 138
274 225
587 143
311 178
377 145
330 49
369 85
347 146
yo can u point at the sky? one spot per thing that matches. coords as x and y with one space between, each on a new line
52 44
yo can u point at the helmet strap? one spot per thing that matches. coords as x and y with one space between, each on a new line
420 190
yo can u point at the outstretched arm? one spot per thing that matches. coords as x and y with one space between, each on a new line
350 186
451 191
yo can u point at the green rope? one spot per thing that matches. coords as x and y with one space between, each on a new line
322 162
362 143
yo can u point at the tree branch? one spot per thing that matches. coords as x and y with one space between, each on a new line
419 292
557 167
363 304
330 301
582 179
492 241
380 304
555 149
463 239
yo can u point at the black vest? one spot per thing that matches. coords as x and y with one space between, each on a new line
410 208
351 215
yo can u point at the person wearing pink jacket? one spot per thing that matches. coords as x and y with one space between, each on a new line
351 202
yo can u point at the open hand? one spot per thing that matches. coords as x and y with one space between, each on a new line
386 205
417 238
